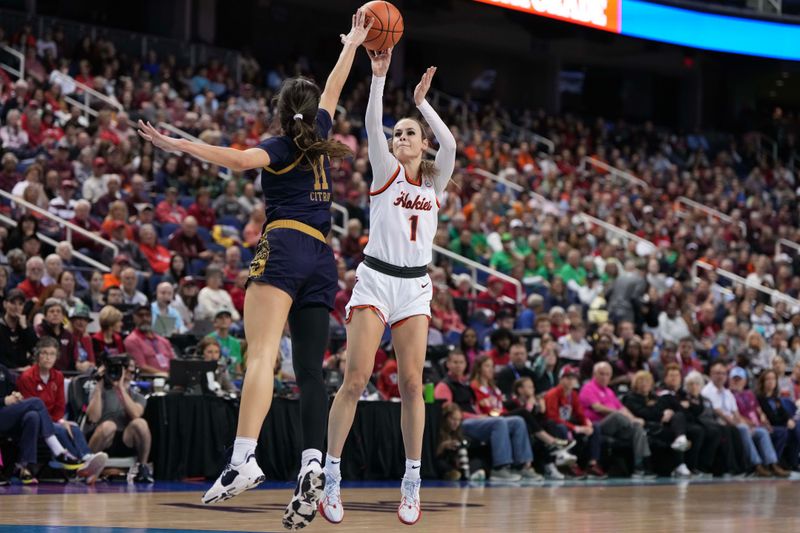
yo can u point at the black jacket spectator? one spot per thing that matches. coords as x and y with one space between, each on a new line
17 344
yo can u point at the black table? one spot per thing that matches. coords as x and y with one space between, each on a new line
191 434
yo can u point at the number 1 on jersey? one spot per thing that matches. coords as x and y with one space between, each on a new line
414 219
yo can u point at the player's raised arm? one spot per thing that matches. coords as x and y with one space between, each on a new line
446 156
236 160
382 161
338 76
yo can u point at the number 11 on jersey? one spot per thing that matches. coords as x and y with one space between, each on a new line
414 220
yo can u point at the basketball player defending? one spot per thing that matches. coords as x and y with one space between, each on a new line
292 276
393 286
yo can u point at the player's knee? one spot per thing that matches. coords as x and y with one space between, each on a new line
410 386
354 384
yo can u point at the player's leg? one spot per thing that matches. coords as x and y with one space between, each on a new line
410 339
309 327
263 332
364 332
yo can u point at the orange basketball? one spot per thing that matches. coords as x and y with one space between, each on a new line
387 28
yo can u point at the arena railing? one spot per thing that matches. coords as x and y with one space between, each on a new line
87 94
775 296
649 246
342 230
710 212
18 72
68 226
789 244
614 171
473 266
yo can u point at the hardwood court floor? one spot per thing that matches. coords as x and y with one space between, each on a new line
721 507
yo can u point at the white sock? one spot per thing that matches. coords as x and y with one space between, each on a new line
242 447
332 466
310 455
412 469
54 445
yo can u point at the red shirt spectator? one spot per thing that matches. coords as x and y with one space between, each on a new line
31 385
387 380
187 243
169 211
564 406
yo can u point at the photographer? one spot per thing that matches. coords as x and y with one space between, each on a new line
452 459
46 383
117 411
16 336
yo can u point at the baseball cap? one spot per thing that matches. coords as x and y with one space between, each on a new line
517 223
568 371
117 225
142 307
188 280
15 294
68 184
99 162
122 260
223 312
738 372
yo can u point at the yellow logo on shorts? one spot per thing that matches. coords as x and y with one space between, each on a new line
259 262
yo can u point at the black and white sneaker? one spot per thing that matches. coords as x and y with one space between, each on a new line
65 461
303 507
234 480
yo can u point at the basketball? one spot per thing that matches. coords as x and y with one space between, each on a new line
387 28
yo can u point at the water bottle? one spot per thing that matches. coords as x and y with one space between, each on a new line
427 393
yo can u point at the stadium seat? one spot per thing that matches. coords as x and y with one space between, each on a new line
168 229
229 220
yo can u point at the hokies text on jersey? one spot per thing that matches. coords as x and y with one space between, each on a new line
419 203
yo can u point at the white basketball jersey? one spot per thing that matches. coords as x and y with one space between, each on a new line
403 219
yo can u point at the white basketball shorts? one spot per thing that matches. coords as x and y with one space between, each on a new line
393 299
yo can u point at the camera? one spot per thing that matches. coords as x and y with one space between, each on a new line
115 367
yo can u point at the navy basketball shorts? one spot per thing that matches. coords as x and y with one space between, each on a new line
297 263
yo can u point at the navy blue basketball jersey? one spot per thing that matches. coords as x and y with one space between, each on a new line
294 187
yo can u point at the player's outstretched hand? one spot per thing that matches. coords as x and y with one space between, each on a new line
149 133
380 61
359 30
421 90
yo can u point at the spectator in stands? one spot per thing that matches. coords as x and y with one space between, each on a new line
626 293
116 410
44 382
630 361
83 219
728 341
93 297
187 243
233 265
444 316
450 463
516 368
501 340
84 349
13 137
758 447
201 209
662 423
213 297
469 346
534 306
9 175
186 301
563 409
27 420
151 352
209 349
108 341
169 211
509 436
667 356
52 325
136 259
574 346
228 202
167 178
353 243
387 380
158 257
784 428
613 419
17 337
105 205
114 296
672 327
490 298
63 205
252 230
130 294
756 354
166 319
249 201
688 357
544 366
95 186
176 271
343 296
600 353
231 347
53 267
32 286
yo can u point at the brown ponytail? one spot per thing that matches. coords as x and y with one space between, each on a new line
299 97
